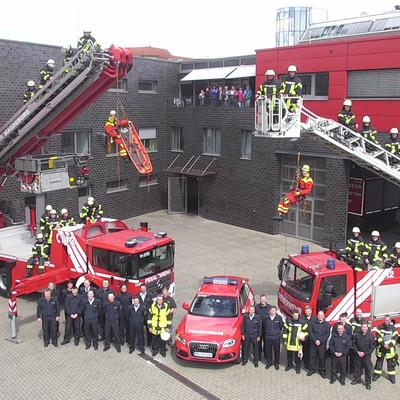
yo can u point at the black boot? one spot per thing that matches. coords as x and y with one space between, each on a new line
392 379
279 218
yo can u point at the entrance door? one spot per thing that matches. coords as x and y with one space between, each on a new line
177 189
193 196
299 222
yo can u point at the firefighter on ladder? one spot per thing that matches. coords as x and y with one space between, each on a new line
111 128
91 212
346 117
304 186
375 252
386 340
87 41
394 145
46 74
29 92
68 52
292 87
40 254
270 90
368 132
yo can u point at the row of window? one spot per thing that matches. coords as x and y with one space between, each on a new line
145 86
122 184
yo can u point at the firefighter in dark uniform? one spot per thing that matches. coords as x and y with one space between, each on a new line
46 74
68 52
346 117
394 145
294 333
319 334
292 87
355 247
29 92
270 91
91 310
339 346
137 319
262 309
91 211
112 316
368 132
48 313
394 258
145 300
102 294
375 252
251 335
159 321
51 224
355 323
125 299
308 319
45 217
363 345
87 41
65 219
272 326
40 254
386 339
348 330
73 308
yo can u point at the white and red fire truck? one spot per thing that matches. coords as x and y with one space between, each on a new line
324 281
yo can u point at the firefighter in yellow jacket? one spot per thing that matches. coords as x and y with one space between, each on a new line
159 322
386 339
40 254
91 211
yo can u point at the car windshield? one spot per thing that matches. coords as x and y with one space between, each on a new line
298 282
214 306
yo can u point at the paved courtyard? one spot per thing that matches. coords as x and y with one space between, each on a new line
203 247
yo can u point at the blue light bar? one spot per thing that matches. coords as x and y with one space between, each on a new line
220 281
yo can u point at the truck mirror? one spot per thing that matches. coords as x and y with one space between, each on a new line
281 268
185 306
326 300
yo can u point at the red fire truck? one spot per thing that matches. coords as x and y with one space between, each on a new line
324 281
107 249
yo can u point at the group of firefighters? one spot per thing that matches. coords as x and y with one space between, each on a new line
308 338
372 254
50 220
101 314
85 43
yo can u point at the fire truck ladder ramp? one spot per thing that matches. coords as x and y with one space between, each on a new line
73 88
350 144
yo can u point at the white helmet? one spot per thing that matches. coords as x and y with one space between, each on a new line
397 245
30 83
49 207
87 31
347 102
90 201
53 212
51 63
394 130
356 229
165 336
292 68
39 236
366 119
113 113
270 72
375 233
63 211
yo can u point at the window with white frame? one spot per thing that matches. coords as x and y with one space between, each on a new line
148 136
147 86
177 139
246 144
121 85
148 180
315 86
116 185
75 142
212 141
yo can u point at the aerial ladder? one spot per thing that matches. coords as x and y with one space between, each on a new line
279 122
90 74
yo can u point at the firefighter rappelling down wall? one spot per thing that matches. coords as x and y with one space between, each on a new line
123 133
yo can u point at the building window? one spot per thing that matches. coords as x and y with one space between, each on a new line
75 142
121 85
315 86
177 139
148 180
148 137
116 185
147 86
246 144
212 141
374 84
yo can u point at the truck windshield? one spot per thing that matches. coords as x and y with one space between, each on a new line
135 266
214 306
298 282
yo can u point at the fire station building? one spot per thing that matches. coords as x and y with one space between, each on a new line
206 160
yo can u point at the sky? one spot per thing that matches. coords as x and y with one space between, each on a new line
197 29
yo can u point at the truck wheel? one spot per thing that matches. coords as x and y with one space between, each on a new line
6 267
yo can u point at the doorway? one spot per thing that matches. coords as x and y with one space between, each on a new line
193 195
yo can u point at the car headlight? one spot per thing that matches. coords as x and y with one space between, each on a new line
229 343
181 339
